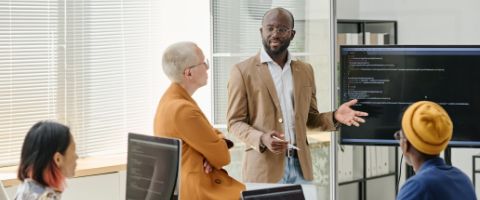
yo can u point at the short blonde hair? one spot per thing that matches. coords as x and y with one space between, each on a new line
177 57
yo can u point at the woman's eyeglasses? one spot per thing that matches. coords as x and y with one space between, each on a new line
206 63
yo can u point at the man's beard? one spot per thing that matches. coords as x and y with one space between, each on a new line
278 51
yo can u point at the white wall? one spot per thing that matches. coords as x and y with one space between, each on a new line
421 22
429 21
347 9
186 20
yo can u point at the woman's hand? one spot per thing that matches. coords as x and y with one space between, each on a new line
207 168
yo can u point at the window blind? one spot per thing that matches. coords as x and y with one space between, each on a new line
108 72
28 70
85 63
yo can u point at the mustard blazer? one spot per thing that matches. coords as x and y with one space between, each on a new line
178 116
254 109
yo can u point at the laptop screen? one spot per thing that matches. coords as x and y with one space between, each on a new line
290 192
152 167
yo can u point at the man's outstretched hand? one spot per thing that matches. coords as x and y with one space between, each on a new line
348 116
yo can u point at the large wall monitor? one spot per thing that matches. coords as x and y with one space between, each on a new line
386 79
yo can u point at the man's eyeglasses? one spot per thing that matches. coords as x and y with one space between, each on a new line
279 30
398 135
206 63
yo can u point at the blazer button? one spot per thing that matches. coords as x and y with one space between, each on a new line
280 120
218 181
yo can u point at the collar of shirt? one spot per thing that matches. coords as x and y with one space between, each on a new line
265 58
434 162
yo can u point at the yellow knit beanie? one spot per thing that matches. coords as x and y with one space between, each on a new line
427 127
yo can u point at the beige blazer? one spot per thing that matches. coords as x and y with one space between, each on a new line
180 117
254 109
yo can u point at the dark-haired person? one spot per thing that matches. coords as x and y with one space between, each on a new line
272 100
426 131
204 149
48 157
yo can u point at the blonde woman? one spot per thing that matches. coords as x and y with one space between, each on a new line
204 149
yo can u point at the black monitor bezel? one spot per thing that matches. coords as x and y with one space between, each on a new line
162 140
272 190
393 142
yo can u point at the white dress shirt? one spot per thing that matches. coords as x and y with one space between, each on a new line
283 80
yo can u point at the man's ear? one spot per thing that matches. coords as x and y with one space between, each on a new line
408 146
403 145
58 159
292 34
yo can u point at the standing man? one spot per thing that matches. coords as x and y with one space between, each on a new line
426 131
271 101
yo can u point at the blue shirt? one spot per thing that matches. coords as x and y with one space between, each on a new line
439 181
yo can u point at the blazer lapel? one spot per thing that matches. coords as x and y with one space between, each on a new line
266 76
297 87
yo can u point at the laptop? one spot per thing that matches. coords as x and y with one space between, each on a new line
153 165
289 192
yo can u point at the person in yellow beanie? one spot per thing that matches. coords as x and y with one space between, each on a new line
426 131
